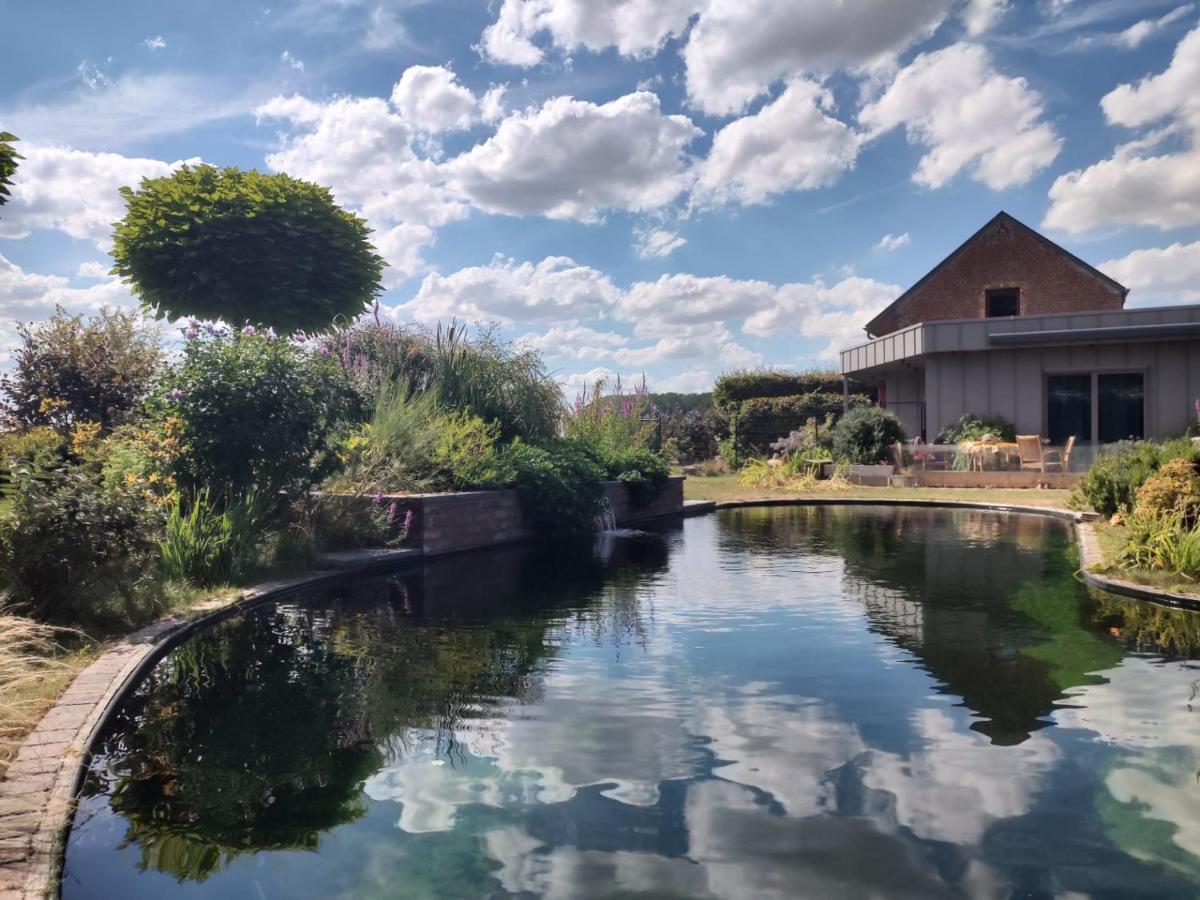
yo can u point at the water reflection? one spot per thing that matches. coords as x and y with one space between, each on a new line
792 702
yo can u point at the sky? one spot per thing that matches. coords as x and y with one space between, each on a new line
675 188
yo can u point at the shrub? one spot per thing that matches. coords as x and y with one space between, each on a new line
372 354
69 369
37 446
737 387
561 487
212 540
8 163
641 470
614 420
688 437
759 422
972 428
252 411
465 454
72 550
865 435
1173 489
1163 542
394 451
1112 481
244 246
497 382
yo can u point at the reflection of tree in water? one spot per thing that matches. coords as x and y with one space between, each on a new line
988 602
259 733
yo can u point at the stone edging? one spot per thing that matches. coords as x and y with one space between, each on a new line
37 796
38 793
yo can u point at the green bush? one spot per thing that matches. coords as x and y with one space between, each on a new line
1173 489
561 487
1162 542
641 470
689 437
762 421
74 551
865 435
37 446
68 370
1112 481
245 247
372 354
214 540
466 456
972 428
737 387
8 163
254 411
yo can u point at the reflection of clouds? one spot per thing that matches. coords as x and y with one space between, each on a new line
585 731
959 782
783 746
1146 707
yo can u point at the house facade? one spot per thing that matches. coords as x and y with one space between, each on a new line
1012 325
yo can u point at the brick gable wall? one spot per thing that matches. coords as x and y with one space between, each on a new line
1004 255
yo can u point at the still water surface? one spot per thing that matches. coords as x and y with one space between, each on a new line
797 702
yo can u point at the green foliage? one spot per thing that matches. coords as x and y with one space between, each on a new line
466 455
243 246
736 387
8 164
73 550
672 402
561 487
763 421
37 446
1112 481
865 435
372 354
212 540
972 428
497 382
253 412
641 470
1173 489
613 421
1162 542
70 370
394 451
688 437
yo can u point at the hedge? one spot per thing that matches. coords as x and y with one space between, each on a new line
750 385
766 419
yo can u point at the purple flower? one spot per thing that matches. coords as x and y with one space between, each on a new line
248 330
192 333
325 351
300 337
270 335
210 328
392 510
176 393
408 517
380 499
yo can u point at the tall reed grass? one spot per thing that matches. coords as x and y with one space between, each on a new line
33 667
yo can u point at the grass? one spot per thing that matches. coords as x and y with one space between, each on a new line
722 488
1112 540
34 669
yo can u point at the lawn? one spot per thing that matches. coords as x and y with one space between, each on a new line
722 488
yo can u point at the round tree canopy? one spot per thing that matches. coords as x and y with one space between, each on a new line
244 246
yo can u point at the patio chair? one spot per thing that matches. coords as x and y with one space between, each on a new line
1059 460
1029 447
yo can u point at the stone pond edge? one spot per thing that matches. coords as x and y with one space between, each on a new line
37 796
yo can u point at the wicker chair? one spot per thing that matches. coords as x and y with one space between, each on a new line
1029 446
1059 460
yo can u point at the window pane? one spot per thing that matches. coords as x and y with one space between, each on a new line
1122 407
1069 407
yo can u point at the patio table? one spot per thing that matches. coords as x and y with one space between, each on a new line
978 450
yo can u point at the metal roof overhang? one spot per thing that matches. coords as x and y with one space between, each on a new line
1095 335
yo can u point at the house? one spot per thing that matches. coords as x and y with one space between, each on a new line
1010 324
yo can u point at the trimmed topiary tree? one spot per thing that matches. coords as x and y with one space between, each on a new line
245 247
8 163
865 435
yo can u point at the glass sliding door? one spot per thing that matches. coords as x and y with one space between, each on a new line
1069 407
1120 407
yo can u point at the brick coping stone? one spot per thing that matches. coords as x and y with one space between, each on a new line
38 794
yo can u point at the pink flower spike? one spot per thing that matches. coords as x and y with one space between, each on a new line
248 330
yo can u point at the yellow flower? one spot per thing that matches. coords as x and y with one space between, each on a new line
83 436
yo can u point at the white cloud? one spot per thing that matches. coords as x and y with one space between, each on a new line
574 342
1138 32
131 110
634 27
288 59
155 43
791 143
980 16
694 381
571 159
93 269
655 243
658 307
739 48
73 191
834 314
431 99
891 242
708 342
1139 184
1159 274
969 116
556 289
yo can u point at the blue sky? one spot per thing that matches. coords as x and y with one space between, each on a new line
675 187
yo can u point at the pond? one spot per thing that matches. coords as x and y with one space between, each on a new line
789 702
